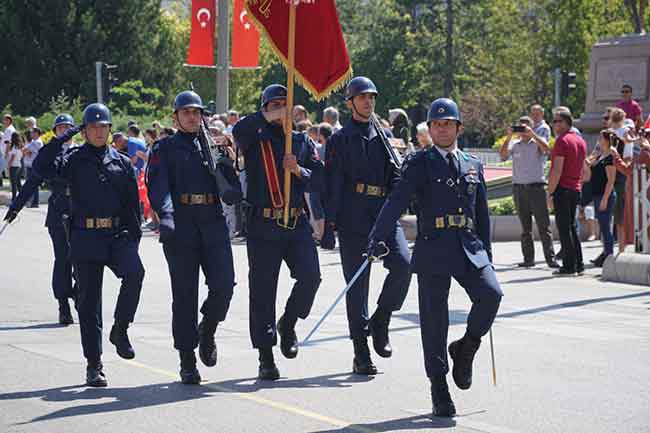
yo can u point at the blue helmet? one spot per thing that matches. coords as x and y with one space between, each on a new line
443 109
63 119
97 113
188 99
359 85
273 93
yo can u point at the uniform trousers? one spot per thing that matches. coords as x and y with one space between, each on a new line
125 263
212 254
483 289
62 272
396 284
297 249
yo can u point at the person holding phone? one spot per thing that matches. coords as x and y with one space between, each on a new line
529 152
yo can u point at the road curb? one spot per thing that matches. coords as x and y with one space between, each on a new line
630 268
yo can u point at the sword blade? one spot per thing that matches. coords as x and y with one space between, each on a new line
4 227
356 276
494 367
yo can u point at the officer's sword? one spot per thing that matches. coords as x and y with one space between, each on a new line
494 367
4 227
369 259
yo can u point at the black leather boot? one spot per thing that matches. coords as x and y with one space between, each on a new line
65 316
462 353
120 339
189 374
378 326
288 338
362 364
268 370
441 401
95 376
207 345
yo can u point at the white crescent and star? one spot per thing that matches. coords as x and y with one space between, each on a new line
241 19
201 12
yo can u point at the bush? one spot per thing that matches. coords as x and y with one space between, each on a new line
503 206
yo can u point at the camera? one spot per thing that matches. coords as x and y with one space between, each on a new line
518 128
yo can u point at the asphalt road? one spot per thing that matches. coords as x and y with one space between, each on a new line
572 355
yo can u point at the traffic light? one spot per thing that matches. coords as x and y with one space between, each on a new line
567 85
110 79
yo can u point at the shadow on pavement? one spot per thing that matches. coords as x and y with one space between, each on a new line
456 317
35 326
572 304
122 398
417 422
529 280
253 384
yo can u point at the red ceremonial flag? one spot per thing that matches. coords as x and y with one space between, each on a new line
322 64
245 39
201 50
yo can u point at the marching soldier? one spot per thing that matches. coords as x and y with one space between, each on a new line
194 236
58 208
453 241
105 230
261 138
360 173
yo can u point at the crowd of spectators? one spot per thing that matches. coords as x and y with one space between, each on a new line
595 189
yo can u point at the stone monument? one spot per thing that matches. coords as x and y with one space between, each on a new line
614 62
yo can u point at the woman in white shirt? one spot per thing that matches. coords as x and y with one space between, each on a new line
14 156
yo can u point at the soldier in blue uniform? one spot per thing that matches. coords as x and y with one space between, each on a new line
194 236
453 241
359 175
261 138
105 231
58 209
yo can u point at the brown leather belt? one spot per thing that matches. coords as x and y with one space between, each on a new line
453 222
198 199
370 190
277 213
97 223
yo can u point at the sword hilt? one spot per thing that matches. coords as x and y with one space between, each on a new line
372 258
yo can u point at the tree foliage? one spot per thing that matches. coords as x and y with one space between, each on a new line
498 58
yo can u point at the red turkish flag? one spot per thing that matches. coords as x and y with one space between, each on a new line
322 64
245 38
201 50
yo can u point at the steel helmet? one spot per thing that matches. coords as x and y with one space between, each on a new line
97 113
62 119
359 85
273 93
443 109
188 99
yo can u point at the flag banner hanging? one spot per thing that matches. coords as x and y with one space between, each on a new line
245 38
322 63
201 49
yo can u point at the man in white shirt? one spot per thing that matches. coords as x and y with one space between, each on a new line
29 155
5 139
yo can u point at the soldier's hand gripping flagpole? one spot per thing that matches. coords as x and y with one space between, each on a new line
288 121
369 259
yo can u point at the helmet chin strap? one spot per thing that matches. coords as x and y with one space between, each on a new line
354 108
180 124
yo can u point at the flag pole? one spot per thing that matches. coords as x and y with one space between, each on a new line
288 122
